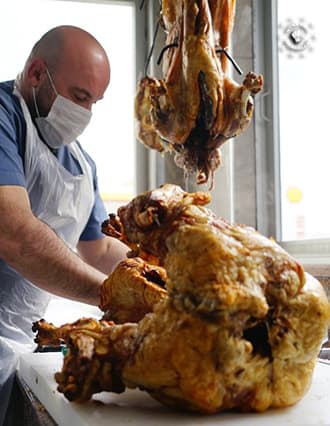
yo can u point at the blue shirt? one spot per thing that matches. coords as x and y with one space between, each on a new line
12 150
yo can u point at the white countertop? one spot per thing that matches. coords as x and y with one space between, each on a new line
134 407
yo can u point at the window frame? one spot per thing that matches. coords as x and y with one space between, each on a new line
268 187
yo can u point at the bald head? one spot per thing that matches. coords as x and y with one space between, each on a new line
77 62
65 43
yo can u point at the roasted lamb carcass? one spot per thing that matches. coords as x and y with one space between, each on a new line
240 327
197 106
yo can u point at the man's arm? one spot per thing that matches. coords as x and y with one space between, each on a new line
35 251
104 253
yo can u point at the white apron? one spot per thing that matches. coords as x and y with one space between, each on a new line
64 202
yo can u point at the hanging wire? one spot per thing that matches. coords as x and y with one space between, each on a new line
146 65
151 49
142 4
235 64
232 60
169 46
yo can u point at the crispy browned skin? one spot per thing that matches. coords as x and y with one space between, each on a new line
240 329
50 335
146 222
96 352
113 228
132 290
197 106
223 13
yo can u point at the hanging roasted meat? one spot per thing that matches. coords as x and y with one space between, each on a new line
239 327
196 107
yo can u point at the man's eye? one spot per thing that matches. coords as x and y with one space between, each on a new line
80 98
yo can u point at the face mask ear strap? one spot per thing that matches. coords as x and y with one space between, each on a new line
35 101
51 81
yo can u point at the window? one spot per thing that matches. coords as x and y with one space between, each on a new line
109 139
291 135
303 117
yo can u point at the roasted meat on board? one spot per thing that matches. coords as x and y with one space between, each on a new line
132 290
197 106
239 328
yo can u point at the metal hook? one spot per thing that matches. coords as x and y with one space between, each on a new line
232 60
164 50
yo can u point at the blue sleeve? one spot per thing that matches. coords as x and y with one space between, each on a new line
12 139
92 230
12 148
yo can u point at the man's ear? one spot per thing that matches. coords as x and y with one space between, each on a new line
36 72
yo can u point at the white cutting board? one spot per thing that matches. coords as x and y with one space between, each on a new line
134 407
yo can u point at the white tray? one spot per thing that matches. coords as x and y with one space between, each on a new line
134 407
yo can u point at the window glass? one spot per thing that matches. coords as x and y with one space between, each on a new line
304 115
109 139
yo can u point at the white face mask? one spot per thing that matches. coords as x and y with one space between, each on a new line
64 122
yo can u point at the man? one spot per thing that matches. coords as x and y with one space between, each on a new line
49 200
